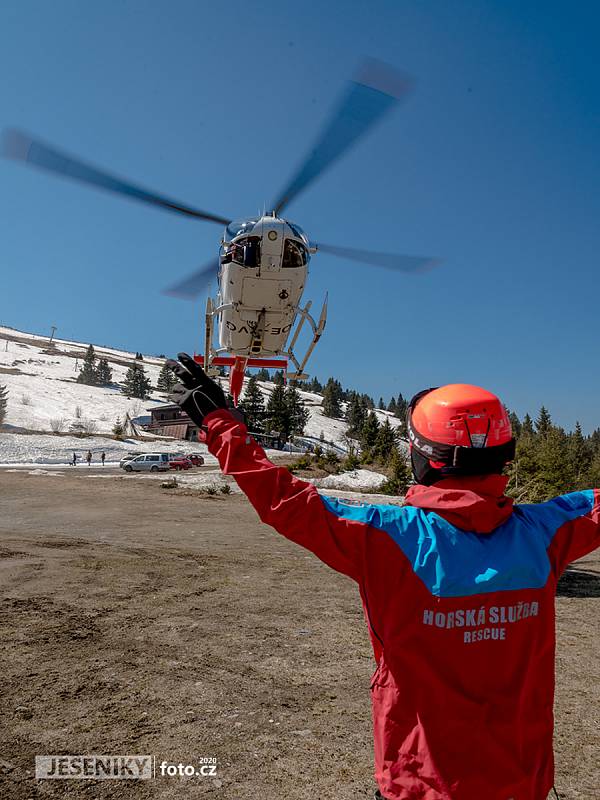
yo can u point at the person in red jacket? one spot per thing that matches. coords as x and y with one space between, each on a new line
457 585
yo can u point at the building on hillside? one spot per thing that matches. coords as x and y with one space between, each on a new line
172 421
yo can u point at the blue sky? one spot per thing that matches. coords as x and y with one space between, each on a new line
492 164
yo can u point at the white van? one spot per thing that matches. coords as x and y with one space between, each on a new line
148 462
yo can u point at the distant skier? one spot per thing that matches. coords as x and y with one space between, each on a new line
458 588
88 458
102 457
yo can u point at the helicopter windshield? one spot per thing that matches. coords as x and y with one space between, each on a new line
245 252
239 227
294 254
297 230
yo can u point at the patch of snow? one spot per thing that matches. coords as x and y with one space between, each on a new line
356 480
19 448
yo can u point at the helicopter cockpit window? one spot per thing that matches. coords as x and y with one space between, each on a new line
297 230
239 227
294 254
245 252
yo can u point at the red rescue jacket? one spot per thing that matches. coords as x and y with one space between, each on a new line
458 590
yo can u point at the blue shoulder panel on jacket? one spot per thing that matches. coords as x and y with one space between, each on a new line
456 563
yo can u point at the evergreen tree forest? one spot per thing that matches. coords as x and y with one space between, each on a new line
549 461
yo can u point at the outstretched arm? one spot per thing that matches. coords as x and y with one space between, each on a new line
292 506
581 534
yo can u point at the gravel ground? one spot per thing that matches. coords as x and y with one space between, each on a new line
141 620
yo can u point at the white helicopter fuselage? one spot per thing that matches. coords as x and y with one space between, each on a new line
257 305
262 276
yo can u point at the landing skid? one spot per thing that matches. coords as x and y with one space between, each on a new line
239 363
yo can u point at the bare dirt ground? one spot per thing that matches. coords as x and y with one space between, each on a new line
138 620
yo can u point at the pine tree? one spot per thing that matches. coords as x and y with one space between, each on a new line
401 407
297 413
278 378
580 458
263 374
104 372
553 460
356 416
118 429
381 404
400 474
543 423
166 379
527 426
277 413
369 434
515 424
332 396
315 386
392 405
253 405
386 442
3 403
136 383
89 371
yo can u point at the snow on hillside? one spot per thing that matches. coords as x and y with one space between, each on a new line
42 386
42 390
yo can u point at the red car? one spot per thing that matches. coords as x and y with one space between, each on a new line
180 462
196 460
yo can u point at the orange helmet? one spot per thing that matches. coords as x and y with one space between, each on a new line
458 429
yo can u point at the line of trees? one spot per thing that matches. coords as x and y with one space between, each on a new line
549 461
283 413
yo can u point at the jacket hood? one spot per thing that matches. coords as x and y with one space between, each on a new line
473 503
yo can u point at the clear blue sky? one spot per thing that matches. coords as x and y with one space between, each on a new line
492 164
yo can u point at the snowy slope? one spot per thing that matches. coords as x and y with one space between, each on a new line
42 389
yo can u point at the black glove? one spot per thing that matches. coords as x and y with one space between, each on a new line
197 394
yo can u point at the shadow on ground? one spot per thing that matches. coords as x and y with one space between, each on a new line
578 582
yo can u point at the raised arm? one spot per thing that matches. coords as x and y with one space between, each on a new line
579 535
291 506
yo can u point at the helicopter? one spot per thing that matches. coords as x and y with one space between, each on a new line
263 261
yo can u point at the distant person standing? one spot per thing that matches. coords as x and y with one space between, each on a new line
102 457
74 460
88 458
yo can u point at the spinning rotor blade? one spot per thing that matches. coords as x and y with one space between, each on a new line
21 147
193 285
377 88
385 260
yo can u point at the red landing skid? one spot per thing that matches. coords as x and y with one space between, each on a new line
238 366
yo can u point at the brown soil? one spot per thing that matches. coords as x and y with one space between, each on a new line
136 620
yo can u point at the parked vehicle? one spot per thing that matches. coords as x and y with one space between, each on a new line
180 462
196 459
149 462
127 458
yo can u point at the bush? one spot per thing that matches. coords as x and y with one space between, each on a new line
350 463
225 489
304 462
211 490
25 400
58 425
